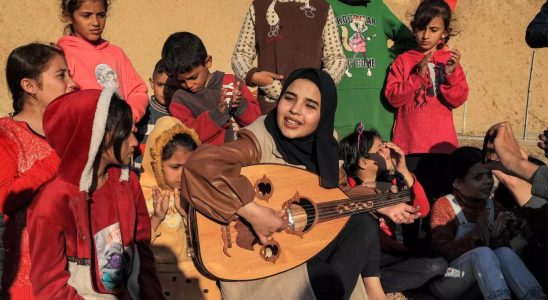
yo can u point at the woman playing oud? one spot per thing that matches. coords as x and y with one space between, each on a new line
299 132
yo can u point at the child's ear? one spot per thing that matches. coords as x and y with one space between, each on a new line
362 163
151 83
29 86
209 61
457 184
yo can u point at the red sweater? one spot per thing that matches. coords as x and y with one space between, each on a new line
199 110
424 117
444 225
27 162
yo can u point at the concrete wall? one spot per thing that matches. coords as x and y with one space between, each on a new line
490 36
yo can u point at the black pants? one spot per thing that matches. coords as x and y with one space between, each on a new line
334 271
400 274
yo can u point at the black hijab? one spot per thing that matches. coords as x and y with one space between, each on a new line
319 151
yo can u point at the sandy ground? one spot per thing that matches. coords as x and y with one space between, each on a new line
490 36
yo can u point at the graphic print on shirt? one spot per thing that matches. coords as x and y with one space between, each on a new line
106 76
357 42
113 259
436 74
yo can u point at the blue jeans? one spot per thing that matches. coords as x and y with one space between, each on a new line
494 271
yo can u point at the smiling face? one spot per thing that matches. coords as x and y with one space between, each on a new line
429 37
172 168
88 21
477 184
299 109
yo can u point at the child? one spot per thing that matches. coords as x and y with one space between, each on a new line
89 229
167 150
366 27
95 63
207 101
468 229
36 74
291 134
426 84
368 162
157 108
286 35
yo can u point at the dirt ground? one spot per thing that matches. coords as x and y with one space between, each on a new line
490 37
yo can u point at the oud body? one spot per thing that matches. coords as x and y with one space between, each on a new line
315 217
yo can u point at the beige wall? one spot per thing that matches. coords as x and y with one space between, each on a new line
491 38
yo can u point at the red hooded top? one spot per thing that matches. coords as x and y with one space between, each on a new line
424 105
87 62
84 243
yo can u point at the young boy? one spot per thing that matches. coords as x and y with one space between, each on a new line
205 101
157 108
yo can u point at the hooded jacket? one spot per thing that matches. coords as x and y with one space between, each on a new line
90 67
169 240
88 243
424 105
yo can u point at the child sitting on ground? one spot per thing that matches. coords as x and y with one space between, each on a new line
157 108
368 162
468 228
205 101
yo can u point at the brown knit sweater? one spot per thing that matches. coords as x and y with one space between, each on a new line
444 225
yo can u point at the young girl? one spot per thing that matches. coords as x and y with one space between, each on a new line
468 228
168 147
94 63
286 35
426 84
299 132
89 229
368 162
36 74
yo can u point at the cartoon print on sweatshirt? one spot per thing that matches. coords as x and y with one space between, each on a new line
113 259
357 42
106 76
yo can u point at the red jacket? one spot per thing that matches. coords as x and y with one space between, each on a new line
76 236
424 110
199 110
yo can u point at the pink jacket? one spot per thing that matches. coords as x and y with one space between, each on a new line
88 66
424 109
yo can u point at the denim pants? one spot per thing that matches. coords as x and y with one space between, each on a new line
494 271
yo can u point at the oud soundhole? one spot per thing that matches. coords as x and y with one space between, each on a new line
271 251
263 188
304 214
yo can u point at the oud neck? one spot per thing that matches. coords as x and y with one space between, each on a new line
347 207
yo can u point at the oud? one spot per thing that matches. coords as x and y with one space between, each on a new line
314 215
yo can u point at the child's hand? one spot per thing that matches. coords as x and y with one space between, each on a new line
453 62
264 220
423 65
264 78
177 202
396 156
499 224
401 213
160 202
236 96
482 227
